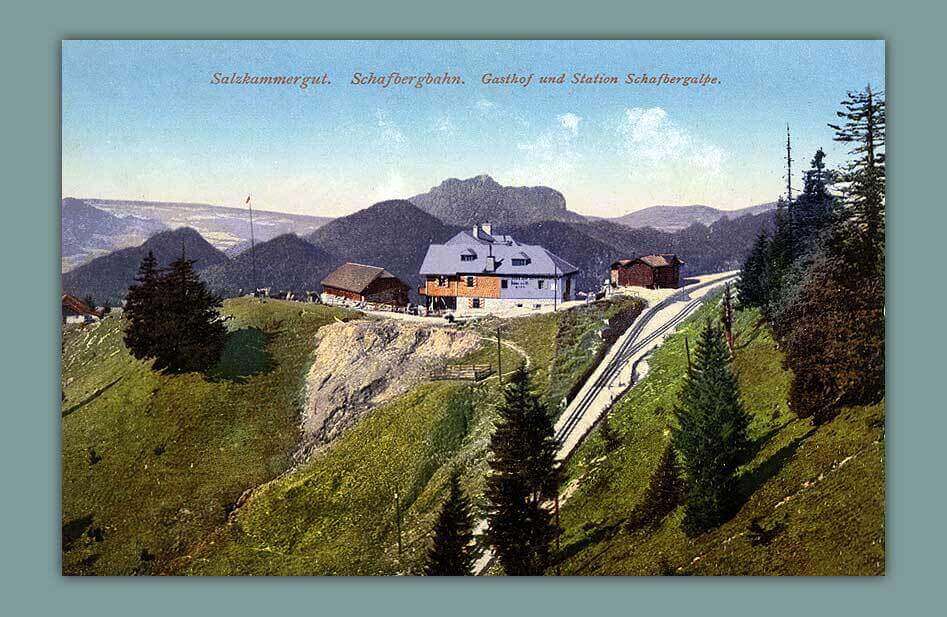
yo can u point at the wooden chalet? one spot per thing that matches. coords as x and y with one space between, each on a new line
353 282
651 271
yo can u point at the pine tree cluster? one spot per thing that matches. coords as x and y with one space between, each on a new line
819 278
172 317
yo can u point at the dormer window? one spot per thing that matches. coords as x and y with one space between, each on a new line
520 259
468 255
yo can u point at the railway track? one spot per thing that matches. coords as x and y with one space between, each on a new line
629 347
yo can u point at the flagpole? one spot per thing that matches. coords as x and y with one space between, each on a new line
252 252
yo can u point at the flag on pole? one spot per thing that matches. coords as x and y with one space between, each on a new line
248 199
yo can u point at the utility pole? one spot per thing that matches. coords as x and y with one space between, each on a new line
687 348
558 535
499 358
555 285
252 251
398 522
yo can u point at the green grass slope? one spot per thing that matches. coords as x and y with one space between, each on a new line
339 513
813 498
152 463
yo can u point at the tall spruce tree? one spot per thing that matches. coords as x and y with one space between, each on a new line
524 479
753 286
863 180
782 252
190 334
142 310
711 435
813 207
452 553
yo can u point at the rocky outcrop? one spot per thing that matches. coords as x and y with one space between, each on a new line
360 364
483 200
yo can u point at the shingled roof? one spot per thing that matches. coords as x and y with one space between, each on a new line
655 261
77 306
355 277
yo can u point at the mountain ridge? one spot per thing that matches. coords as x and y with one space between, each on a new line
481 199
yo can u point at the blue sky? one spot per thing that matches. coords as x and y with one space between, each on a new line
142 120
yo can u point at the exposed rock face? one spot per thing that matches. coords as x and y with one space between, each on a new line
360 364
483 200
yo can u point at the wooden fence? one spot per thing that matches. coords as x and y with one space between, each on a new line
470 372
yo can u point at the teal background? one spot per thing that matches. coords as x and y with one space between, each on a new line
30 528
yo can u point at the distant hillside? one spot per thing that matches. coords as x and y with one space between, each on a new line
222 226
107 278
483 200
675 218
593 246
392 234
285 263
88 232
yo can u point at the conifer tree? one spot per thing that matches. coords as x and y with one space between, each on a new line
452 553
663 494
524 478
610 439
754 283
711 436
813 208
863 180
142 310
191 335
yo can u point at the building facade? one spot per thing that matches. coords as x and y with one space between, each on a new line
651 271
478 272
352 283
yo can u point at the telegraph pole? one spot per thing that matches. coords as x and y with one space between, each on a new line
555 285
252 251
499 358
398 522
687 348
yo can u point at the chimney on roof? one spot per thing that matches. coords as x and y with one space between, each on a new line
476 231
487 228
491 265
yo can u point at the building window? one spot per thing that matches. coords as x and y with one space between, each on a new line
470 281
541 283
442 281
519 261
468 257
475 303
504 284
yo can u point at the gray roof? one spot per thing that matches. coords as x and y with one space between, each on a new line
444 259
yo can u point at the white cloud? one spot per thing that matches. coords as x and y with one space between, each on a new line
551 155
484 104
570 121
445 125
390 132
650 137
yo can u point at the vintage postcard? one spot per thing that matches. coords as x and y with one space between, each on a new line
488 308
